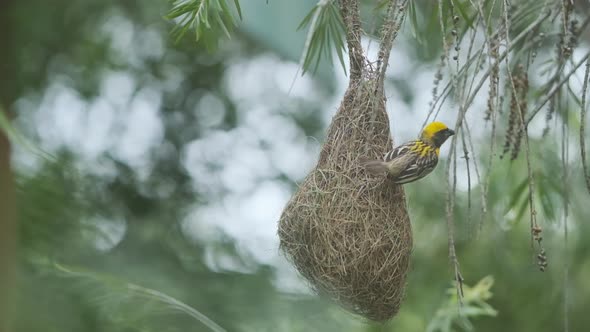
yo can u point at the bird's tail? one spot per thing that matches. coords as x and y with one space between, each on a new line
375 167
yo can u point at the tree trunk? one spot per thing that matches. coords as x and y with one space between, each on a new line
7 192
7 232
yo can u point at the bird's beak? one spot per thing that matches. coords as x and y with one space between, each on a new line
451 132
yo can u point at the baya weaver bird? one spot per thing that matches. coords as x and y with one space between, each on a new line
413 160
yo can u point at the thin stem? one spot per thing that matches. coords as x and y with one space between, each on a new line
557 87
524 129
583 126
351 17
565 195
466 157
504 54
393 21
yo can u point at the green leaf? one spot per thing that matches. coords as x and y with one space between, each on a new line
339 43
326 30
238 8
414 22
544 190
307 19
517 194
474 305
208 19
222 24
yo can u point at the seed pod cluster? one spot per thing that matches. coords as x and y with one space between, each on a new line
572 38
518 110
456 36
568 37
494 46
541 256
437 78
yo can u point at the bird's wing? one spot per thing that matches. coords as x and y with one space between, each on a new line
419 167
400 158
411 161
400 151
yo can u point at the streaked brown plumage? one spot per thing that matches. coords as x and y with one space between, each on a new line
415 159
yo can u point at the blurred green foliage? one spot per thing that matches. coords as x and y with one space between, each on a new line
473 305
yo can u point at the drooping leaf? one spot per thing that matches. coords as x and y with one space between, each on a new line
208 19
326 30
450 315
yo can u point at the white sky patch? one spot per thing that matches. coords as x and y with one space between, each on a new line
150 44
299 86
248 81
100 118
119 121
60 117
298 162
108 232
202 159
267 78
247 167
122 34
172 78
118 88
209 111
220 261
143 130
251 219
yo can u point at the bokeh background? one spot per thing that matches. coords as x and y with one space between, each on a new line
150 176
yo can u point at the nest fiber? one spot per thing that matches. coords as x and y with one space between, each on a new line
349 233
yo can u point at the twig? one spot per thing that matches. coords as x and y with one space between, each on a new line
583 126
451 233
451 189
556 88
493 64
393 20
534 227
475 167
565 195
466 157
504 54
351 17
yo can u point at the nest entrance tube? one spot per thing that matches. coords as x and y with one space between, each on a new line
346 232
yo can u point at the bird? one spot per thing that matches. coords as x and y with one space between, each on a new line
412 160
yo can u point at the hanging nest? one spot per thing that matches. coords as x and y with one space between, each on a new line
347 232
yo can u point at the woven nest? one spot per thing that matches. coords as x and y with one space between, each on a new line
348 233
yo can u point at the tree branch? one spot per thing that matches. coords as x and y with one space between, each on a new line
583 126
393 20
352 20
